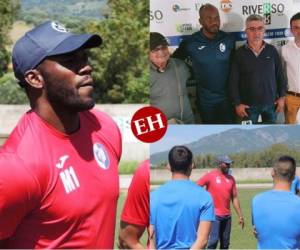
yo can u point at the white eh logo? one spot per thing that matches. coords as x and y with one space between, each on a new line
59 27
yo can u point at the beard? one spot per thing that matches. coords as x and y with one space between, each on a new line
68 98
225 170
213 29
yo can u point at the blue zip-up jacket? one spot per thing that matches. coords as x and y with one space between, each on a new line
210 63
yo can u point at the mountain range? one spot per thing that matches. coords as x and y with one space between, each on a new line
238 140
67 8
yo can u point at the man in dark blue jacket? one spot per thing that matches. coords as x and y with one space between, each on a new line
257 83
210 50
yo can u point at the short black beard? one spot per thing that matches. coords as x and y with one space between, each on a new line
66 99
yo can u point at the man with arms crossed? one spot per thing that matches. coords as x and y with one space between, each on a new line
180 212
257 84
222 188
210 51
275 213
291 60
59 167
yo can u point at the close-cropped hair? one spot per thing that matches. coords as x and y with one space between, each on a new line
180 159
285 168
204 7
294 18
254 17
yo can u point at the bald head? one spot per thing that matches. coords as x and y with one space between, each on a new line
209 18
285 168
206 7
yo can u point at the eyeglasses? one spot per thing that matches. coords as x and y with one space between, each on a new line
259 29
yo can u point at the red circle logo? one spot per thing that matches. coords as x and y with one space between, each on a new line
149 124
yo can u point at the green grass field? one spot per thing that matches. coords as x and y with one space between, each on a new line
119 210
240 239
244 239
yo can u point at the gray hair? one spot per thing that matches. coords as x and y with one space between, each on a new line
254 17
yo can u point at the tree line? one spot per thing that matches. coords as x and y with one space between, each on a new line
259 159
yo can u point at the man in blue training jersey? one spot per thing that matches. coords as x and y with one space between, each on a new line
180 211
295 187
275 213
210 51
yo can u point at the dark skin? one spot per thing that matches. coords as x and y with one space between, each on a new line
129 236
210 21
59 88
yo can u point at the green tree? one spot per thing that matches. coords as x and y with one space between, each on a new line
8 11
10 91
121 67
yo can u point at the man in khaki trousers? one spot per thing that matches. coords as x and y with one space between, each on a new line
291 59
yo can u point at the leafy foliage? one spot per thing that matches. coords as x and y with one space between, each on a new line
121 68
8 11
10 91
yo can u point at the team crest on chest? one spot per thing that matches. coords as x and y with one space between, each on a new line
101 156
222 47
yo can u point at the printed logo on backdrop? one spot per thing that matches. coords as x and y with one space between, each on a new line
264 9
226 5
177 8
187 28
156 16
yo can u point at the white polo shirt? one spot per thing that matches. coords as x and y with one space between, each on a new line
291 58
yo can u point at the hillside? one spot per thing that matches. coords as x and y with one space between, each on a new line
239 140
35 11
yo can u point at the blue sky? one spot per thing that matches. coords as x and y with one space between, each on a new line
178 134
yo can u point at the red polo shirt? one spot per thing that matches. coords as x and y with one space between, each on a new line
222 188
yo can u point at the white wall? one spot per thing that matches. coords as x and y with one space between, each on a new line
238 173
133 149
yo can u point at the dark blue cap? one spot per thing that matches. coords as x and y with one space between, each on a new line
224 159
47 39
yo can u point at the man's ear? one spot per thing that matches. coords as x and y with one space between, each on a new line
272 172
34 79
200 21
168 167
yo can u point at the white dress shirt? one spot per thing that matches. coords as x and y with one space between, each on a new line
291 59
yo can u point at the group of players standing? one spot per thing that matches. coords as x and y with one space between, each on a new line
186 216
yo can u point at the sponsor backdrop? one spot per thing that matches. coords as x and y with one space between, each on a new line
178 18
